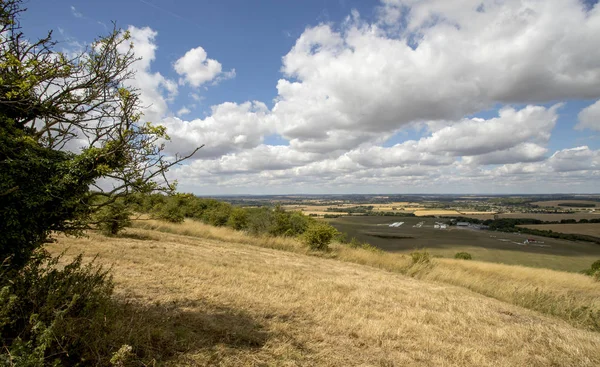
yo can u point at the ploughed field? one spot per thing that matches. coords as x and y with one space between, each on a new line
501 247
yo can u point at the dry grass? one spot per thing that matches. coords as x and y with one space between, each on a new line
572 297
589 229
251 306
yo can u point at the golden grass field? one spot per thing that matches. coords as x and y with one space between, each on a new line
589 229
234 300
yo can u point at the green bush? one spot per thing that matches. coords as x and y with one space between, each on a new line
594 270
420 257
355 243
171 211
463 256
238 219
318 236
114 218
298 223
51 315
259 220
218 215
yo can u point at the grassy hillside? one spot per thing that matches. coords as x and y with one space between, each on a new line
219 301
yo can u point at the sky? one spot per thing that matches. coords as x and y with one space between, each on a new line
348 96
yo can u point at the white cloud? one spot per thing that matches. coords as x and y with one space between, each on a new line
231 127
76 13
196 68
152 85
183 111
575 159
450 61
478 136
589 117
524 152
347 90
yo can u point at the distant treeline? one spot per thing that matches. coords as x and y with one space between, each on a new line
578 205
360 209
364 210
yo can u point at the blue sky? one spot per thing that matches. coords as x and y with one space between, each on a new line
362 96
250 36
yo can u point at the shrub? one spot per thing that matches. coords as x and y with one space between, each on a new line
463 256
298 224
47 314
280 222
420 257
171 211
594 270
259 220
218 215
238 219
318 236
113 218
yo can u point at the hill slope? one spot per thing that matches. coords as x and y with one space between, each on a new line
233 304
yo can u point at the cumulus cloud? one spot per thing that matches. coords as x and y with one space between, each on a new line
575 159
478 136
196 69
155 89
524 152
231 127
589 117
183 111
451 59
346 89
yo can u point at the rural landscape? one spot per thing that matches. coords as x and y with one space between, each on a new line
421 189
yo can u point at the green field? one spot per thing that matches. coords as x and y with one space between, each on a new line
484 245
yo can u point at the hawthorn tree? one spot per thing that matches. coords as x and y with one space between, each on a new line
66 122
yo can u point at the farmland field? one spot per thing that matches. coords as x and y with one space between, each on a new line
588 229
545 217
555 203
423 212
490 246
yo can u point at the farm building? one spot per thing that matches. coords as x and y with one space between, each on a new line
462 224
